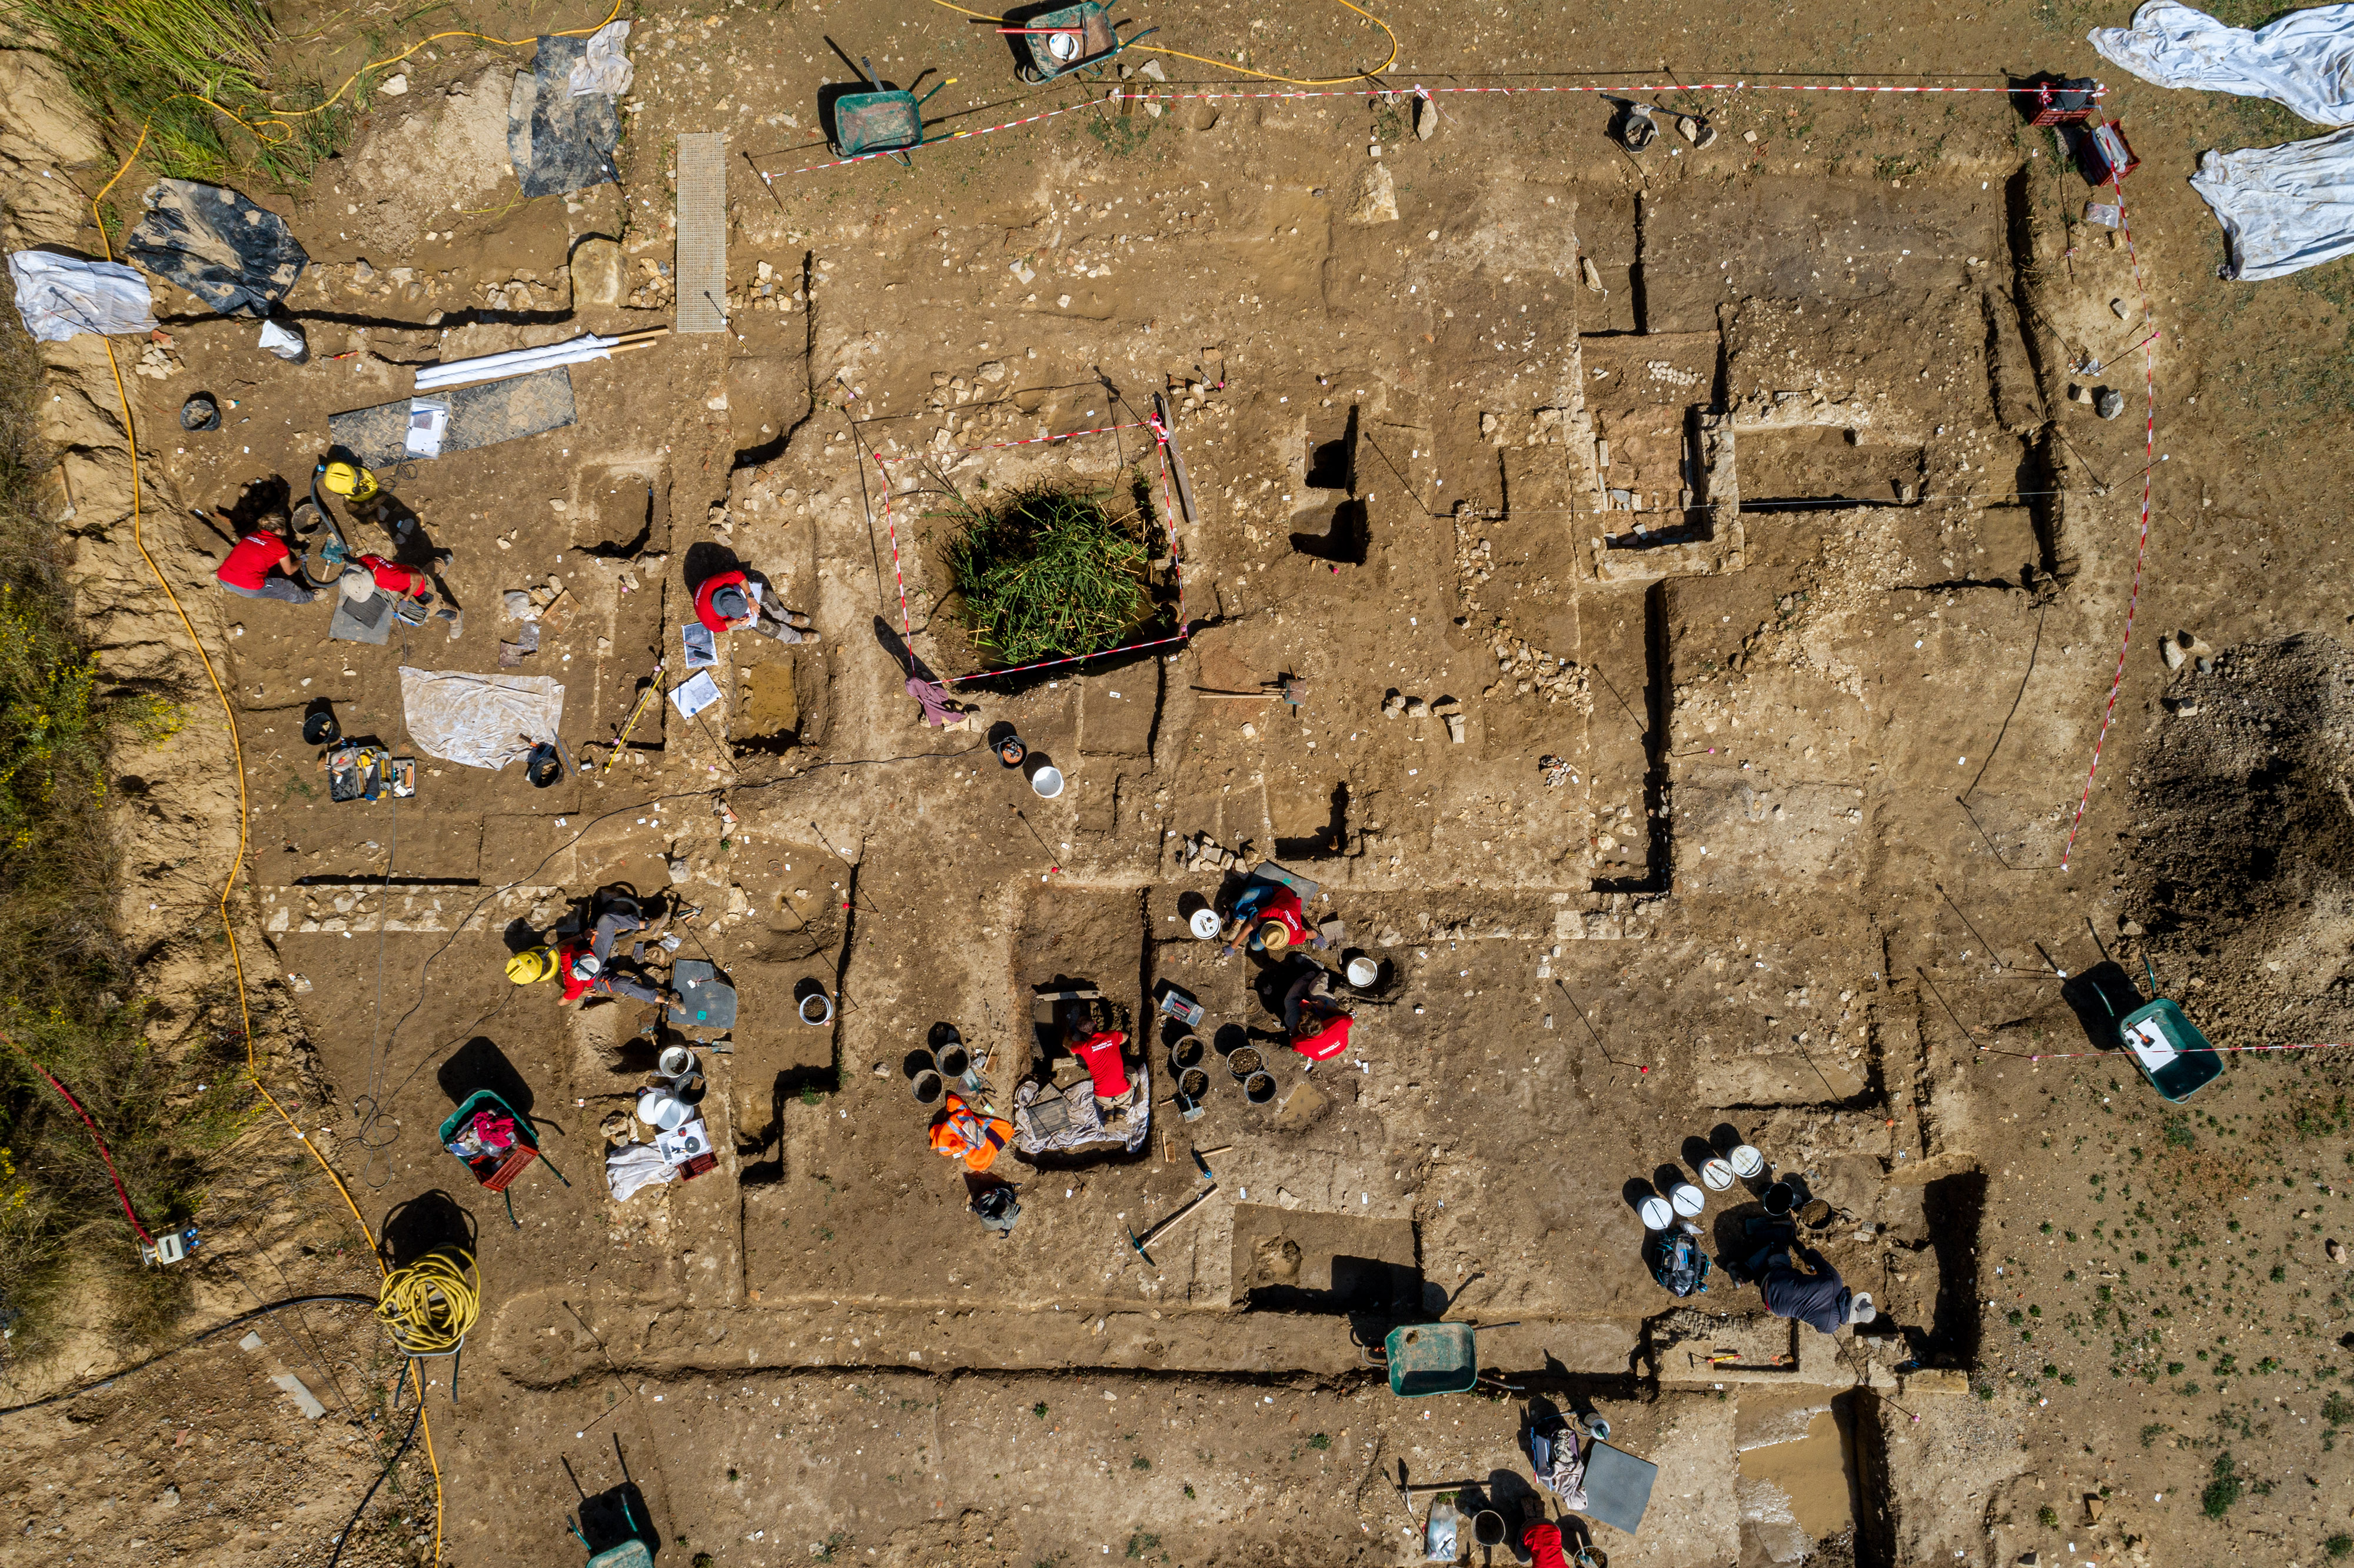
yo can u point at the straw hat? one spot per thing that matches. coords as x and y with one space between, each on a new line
1273 937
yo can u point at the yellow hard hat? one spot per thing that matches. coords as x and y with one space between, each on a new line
532 965
348 479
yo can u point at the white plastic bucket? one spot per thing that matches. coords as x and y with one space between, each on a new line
1204 923
1364 972
1688 1199
1047 781
1747 1162
1656 1213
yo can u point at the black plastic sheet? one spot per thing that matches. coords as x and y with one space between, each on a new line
236 256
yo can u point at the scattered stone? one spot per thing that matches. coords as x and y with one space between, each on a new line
1392 704
2131 929
298 984
1425 118
596 267
1374 198
1592 274
2337 1253
1417 707
1153 69
1250 732
2108 402
1455 729
2117 309
2093 1509
393 86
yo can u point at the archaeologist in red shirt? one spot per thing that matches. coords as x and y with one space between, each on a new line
1543 1540
1270 912
1101 1054
1313 1017
402 583
726 603
254 567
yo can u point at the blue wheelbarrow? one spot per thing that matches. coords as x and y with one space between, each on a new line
1068 39
887 120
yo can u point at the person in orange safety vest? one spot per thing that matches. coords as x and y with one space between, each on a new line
963 1133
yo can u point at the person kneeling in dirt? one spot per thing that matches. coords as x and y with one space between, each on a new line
584 962
1102 1054
1819 1299
371 575
1313 1018
253 564
725 603
1270 912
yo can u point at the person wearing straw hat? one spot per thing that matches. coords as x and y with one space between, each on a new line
1268 918
724 602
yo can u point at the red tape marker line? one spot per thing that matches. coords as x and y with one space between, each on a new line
1419 91
2141 542
2219 1050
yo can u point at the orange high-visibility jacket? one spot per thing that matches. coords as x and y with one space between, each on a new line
963 1133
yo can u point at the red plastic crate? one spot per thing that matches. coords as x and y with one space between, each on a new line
2068 103
2109 157
495 1175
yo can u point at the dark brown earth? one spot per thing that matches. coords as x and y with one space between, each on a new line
1827 719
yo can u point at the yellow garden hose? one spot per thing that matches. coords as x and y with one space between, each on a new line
1229 65
429 1306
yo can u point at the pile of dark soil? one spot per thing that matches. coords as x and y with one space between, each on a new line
2243 869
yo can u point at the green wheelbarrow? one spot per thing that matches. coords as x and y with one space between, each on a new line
884 121
1070 38
1424 1359
2167 1046
497 1172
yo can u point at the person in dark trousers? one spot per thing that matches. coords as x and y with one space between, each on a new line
1817 1298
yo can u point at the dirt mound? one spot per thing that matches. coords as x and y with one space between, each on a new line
2244 864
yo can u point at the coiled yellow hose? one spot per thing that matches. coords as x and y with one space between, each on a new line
430 1306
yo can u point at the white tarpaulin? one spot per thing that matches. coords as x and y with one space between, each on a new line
61 295
2305 60
604 68
479 720
2282 208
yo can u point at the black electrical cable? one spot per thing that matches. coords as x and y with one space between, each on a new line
354 1523
240 1320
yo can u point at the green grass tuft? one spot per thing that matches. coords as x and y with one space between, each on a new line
137 63
1051 574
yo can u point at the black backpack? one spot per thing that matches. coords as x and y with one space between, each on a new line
1679 1264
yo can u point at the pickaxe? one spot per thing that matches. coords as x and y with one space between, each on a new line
1141 1242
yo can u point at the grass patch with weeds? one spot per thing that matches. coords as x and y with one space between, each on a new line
1052 573
149 63
67 983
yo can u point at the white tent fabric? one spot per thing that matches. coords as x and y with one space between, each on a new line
2282 208
61 295
2305 60
479 720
